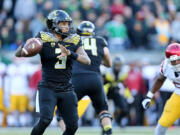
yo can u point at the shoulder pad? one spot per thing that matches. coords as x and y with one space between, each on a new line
47 37
99 37
72 39
103 40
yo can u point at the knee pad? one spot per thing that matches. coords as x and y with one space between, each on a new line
105 114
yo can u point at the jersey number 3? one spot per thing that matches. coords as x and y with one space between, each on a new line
61 63
90 44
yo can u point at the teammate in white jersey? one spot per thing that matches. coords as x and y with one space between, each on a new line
170 68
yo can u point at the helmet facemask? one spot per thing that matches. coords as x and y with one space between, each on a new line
174 61
60 29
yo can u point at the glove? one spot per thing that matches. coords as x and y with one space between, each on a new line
146 102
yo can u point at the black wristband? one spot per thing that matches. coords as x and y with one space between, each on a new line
73 55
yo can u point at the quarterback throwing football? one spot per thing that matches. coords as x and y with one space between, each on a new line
60 47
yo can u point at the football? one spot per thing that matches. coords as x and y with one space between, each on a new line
32 47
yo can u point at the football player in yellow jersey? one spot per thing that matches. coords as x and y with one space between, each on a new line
170 68
116 90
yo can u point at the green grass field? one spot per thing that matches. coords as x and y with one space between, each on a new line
91 131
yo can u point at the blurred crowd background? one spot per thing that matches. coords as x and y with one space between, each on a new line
137 32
